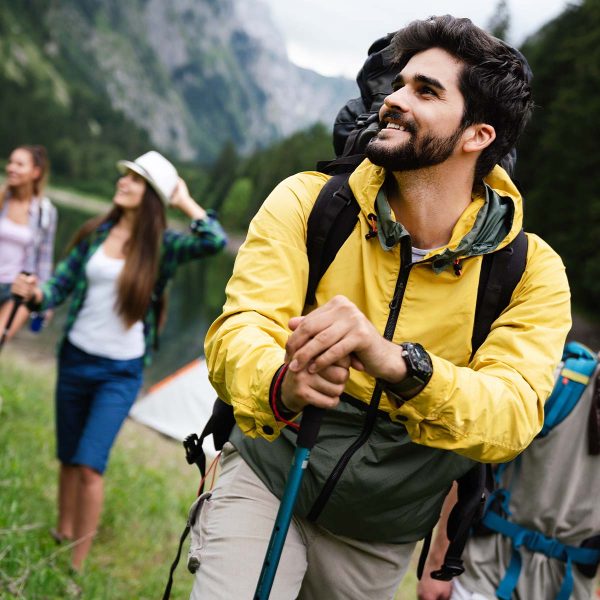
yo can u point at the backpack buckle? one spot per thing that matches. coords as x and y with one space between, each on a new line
193 448
451 568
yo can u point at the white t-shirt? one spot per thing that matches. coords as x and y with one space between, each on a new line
419 254
98 329
14 241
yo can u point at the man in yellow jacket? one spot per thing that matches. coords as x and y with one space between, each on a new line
386 349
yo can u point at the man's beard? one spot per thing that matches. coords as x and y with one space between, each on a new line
413 153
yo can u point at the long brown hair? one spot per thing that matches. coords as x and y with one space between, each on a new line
39 156
142 254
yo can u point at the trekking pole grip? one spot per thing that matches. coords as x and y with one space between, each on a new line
309 428
18 300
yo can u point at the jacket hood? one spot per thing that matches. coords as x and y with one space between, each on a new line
490 222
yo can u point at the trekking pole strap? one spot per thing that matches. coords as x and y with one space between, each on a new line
167 592
192 516
535 541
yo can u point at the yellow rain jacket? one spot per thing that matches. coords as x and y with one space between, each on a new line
486 409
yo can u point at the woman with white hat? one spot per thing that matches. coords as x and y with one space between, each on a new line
115 273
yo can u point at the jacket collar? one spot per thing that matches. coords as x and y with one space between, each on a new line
490 222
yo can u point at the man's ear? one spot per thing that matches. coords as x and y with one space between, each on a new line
477 138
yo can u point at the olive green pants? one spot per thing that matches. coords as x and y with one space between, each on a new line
232 531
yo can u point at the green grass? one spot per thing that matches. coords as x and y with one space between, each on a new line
148 489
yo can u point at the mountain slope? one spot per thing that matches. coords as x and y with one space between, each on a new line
191 74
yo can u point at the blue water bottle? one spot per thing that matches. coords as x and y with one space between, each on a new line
37 321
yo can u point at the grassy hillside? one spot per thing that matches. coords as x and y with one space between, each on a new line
148 489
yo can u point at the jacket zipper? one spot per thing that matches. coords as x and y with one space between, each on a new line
371 415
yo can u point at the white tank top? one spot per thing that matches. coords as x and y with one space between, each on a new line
98 329
14 241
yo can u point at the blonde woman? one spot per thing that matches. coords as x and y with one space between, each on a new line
27 227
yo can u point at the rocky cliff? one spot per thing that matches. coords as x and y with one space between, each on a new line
192 73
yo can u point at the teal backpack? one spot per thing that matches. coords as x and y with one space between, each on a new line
579 364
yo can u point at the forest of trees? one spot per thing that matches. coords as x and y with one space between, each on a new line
559 159
558 166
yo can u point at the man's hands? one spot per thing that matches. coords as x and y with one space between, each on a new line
25 286
322 348
322 389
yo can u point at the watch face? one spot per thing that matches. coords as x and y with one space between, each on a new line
417 357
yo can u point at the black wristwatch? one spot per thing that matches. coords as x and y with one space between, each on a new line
419 370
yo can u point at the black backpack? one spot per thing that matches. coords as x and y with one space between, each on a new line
357 121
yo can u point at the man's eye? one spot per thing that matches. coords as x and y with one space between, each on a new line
426 90
396 86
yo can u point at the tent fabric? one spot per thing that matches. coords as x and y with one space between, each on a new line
180 404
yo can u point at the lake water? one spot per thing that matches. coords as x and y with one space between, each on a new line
196 296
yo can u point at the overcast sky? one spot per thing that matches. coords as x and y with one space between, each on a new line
333 36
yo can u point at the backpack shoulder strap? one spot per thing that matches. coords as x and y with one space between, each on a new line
578 366
501 271
344 165
219 425
330 222
335 205
473 490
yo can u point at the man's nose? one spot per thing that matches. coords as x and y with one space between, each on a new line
395 102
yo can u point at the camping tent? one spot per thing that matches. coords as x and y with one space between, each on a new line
180 404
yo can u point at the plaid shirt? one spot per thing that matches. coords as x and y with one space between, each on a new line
207 238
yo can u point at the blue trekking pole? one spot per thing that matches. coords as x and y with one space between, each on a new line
307 436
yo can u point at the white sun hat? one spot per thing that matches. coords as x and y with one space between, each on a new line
156 170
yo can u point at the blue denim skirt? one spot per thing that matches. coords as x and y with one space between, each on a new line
93 398
5 294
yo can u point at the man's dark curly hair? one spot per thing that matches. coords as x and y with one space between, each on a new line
494 80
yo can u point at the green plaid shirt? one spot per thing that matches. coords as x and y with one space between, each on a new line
69 277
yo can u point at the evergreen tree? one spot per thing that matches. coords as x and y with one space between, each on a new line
499 23
221 176
559 155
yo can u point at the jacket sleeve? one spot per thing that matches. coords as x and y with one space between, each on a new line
245 346
207 238
65 277
491 409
